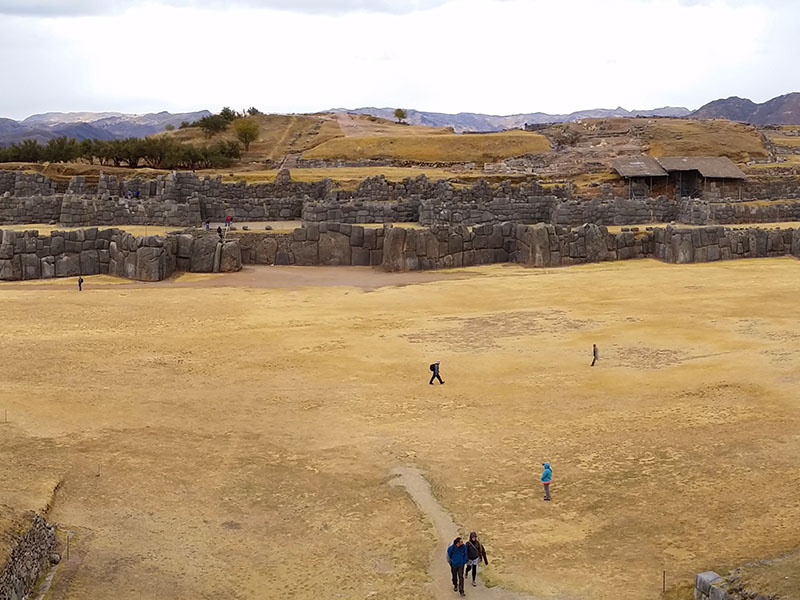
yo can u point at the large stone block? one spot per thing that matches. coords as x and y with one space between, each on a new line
334 249
393 249
185 243
231 258
596 246
540 254
31 266
90 262
360 256
704 581
305 253
796 242
48 267
68 265
150 264
203 251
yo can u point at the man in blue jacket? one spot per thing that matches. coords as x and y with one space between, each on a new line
547 478
457 558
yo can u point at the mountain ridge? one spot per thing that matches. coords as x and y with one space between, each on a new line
781 110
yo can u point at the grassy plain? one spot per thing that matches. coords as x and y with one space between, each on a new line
244 429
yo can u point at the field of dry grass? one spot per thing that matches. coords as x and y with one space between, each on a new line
792 141
245 436
685 137
478 148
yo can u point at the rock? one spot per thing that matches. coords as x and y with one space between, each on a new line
265 250
150 264
305 253
67 265
245 228
704 581
334 249
231 258
31 267
54 558
48 267
90 262
268 227
682 248
540 255
596 245
203 250
185 242
393 249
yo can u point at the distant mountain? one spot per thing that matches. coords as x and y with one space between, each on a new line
84 125
783 110
479 122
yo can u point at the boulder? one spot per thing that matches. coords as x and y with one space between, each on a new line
48 267
334 249
265 250
8 270
31 266
682 248
203 250
540 245
231 258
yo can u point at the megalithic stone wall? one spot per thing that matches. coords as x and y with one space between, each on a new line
27 255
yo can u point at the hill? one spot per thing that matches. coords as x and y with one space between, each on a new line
783 110
477 122
85 125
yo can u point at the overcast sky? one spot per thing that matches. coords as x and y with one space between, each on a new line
489 56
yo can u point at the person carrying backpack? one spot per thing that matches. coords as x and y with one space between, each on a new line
435 368
547 478
457 558
475 552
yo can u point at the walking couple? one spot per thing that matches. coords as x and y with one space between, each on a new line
460 555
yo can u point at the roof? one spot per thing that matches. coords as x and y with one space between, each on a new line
714 167
638 166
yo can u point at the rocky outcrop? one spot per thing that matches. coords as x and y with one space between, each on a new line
30 556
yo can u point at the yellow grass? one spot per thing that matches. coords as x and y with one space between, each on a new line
792 141
478 148
243 426
44 229
684 137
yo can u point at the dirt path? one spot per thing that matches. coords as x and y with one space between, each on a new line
446 531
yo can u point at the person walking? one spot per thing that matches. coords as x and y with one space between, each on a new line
594 354
219 232
435 369
80 283
208 224
547 478
457 558
475 552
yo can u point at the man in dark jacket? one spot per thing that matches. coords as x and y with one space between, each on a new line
595 354
457 558
435 369
475 553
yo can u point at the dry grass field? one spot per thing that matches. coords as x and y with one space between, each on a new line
688 137
478 148
234 435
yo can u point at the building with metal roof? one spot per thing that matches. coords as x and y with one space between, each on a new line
638 166
717 167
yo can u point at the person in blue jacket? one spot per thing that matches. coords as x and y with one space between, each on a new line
457 559
547 478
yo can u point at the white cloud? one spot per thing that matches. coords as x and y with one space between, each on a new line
466 55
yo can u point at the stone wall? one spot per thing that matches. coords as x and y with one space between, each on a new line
27 255
360 211
545 245
700 212
315 244
710 586
29 558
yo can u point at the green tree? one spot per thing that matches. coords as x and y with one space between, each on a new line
228 114
213 124
61 149
246 130
169 127
254 112
400 114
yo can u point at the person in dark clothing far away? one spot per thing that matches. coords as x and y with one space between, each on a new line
547 478
435 369
594 354
208 224
457 558
475 552
80 283
219 232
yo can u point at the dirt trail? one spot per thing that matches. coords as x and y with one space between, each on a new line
446 530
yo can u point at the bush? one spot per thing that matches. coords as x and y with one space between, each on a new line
246 130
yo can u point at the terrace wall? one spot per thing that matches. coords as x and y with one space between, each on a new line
28 560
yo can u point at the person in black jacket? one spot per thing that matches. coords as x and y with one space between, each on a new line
435 369
475 553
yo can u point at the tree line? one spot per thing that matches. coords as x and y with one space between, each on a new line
157 152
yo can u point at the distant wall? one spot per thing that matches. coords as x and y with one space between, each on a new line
27 255
29 558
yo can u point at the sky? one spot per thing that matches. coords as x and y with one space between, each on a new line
487 56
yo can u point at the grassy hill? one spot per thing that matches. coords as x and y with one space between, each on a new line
687 137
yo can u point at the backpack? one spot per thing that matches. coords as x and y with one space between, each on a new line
433 367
